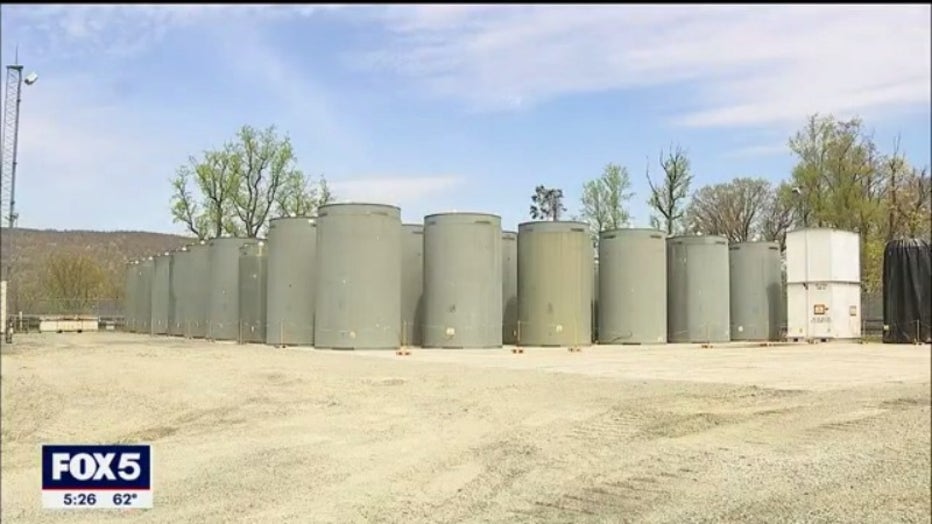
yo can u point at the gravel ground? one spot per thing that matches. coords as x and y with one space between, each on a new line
824 433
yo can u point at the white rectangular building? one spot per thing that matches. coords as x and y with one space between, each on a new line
823 275
823 255
68 324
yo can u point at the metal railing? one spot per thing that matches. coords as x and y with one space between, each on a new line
97 307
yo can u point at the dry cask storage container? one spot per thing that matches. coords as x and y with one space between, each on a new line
252 292
129 298
462 275
756 290
145 273
170 294
161 282
358 292
698 289
197 283
223 304
412 283
632 287
291 276
509 287
595 299
555 267
177 291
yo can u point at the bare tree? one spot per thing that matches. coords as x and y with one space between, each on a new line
914 204
907 196
184 208
733 209
777 215
74 281
668 198
547 203
324 194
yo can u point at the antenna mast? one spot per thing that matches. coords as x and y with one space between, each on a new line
9 141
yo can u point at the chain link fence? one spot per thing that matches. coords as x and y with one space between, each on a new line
872 314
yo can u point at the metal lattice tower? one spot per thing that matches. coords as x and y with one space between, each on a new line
10 137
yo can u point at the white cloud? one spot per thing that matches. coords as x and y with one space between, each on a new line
740 65
395 190
759 151
122 30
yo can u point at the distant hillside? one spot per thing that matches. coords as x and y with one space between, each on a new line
32 248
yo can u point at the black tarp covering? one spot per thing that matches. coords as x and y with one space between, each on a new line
907 291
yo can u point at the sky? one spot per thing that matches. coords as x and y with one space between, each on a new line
445 108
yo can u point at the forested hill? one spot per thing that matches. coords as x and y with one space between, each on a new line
51 265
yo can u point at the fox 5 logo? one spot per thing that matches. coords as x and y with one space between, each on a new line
96 467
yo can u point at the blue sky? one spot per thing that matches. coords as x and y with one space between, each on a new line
439 108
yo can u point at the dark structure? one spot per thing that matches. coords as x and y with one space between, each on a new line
907 292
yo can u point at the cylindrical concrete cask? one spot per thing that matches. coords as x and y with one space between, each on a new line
197 282
358 302
252 292
223 305
161 283
145 272
412 284
290 264
555 266
632 287
462 275
756 290
509 287
698 289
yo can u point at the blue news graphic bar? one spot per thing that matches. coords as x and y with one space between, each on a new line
129 473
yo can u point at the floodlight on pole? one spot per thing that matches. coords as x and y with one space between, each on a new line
10 140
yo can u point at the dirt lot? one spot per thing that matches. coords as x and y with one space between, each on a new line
828 433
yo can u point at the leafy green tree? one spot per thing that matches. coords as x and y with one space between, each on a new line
604 200
237 187
668 198
839 182
547 203
299 197
837 176
215 181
